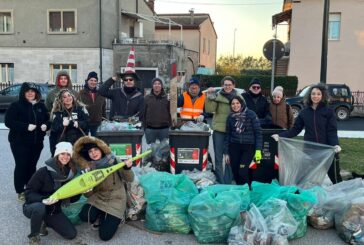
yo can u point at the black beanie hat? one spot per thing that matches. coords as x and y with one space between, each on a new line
92 75
254 81
86 147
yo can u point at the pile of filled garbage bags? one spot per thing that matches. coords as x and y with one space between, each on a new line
233 214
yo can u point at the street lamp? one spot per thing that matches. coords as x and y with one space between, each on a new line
234 44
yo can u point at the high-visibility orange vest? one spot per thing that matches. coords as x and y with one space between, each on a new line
192 110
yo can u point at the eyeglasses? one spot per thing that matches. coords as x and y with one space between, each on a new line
255 87
129 79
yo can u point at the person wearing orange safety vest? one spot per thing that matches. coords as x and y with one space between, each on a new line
192 101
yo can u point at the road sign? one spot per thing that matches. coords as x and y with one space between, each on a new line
268 49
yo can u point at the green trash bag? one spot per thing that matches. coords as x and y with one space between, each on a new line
73 209
168 197
214 211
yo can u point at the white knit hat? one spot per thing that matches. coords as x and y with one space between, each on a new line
62 147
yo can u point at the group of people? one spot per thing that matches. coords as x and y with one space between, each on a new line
71 116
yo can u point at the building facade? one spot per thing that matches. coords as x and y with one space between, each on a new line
38 38
198 34
345 41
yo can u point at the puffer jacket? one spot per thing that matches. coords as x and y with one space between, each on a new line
122 105
220 107
45 182
320 125
259 105
280 116
20 114
110 195
251 133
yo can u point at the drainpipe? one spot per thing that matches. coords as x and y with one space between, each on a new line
100 38
118 19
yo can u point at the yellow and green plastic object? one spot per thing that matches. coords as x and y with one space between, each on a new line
89 180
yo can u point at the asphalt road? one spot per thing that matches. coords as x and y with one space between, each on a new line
15 227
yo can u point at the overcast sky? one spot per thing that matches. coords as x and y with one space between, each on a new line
251 18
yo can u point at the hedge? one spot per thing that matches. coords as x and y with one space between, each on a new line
289 83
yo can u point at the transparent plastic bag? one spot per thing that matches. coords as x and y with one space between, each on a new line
201 179
303 163
192 126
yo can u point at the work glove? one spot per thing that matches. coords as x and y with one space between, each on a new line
66 121
200 118
43 127
258 155
337 148
275 137
31 127
50 201
226 158
75 124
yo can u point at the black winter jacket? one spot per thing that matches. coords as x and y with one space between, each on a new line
20 114
42 185
71 134
96 108
259 105
124 105
320 125
251 133
156 111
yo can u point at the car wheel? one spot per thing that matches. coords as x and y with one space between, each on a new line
295 111
342 113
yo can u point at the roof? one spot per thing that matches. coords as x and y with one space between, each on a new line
184 20
281 17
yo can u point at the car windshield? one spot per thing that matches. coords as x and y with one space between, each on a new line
304 91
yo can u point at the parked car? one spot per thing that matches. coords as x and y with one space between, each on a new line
10 94
340 99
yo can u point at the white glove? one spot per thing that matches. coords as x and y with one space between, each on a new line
337 148
50 201
31 127
226 158
66 121
200 118
275 137
75 124
43 127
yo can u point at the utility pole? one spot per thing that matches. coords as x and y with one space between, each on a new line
273 60
325 29
234 44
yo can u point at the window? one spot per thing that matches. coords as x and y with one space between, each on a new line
6 21
70 68
7 72
204 45
62 21
334 26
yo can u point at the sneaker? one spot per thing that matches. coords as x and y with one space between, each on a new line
43 229
34 240
21 197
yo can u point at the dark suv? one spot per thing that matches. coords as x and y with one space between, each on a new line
340 99
10 94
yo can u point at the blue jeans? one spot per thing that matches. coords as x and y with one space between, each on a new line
151 134
221 176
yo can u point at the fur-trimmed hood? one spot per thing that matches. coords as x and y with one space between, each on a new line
79 144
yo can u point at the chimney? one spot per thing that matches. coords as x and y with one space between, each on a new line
150 4
192 13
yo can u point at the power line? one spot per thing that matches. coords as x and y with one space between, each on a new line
220 4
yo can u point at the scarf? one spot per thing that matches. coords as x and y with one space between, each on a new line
228 96
240 118
129 90
90 90
56 173
104 162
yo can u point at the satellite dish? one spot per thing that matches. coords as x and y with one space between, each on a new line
268 49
